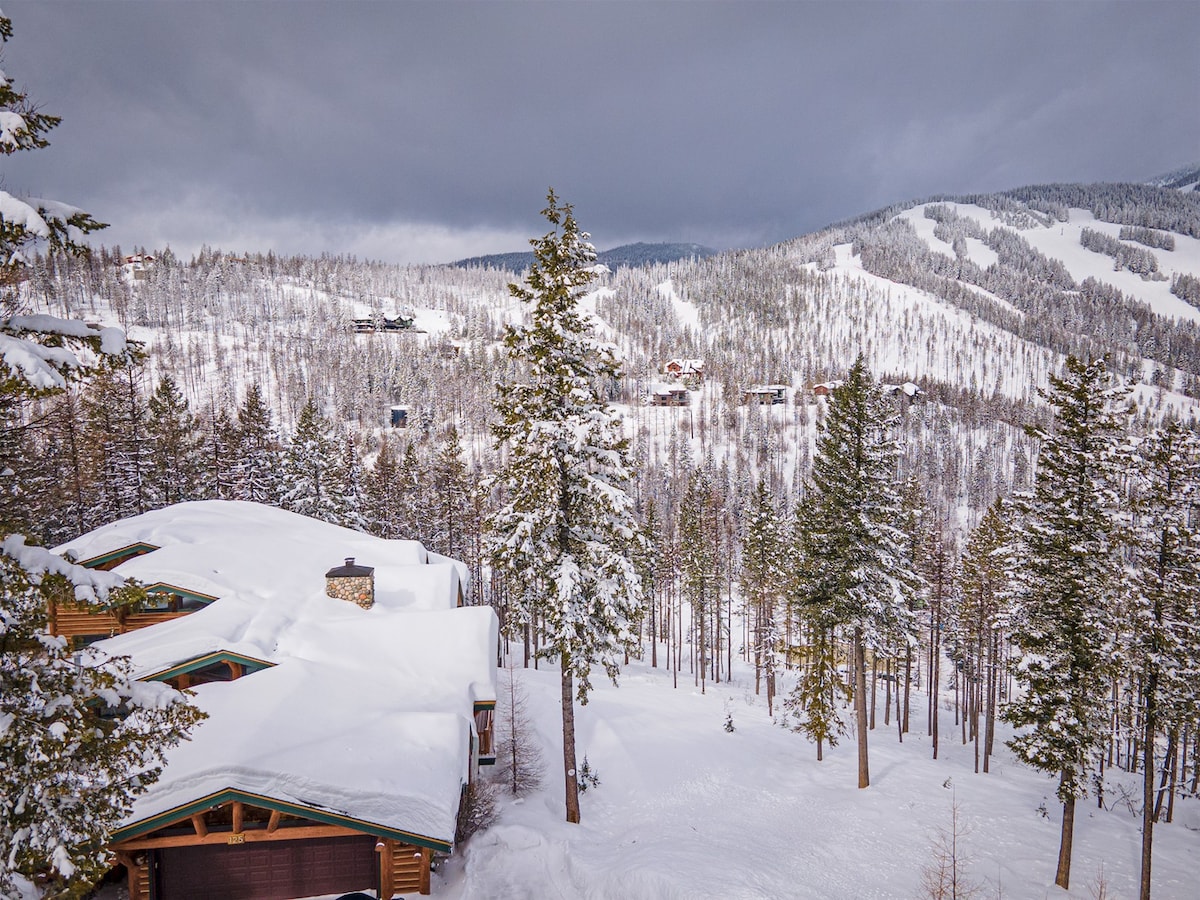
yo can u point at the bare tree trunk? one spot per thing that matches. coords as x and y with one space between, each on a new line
1062 877
1148 785
1174 739
571 780
860 708
653 634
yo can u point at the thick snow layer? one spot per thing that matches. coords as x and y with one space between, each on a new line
334 740
686 809
364 712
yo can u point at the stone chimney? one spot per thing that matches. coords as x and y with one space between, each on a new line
354 584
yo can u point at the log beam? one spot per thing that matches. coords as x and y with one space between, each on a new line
294 833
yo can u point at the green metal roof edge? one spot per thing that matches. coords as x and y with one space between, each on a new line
162 819
164 587
113 554
484 704
200 662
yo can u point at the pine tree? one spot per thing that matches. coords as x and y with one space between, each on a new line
699 579
258 454
859 572
450 496
1066 576
174 447
24 222
762 581
118 447
219 452
68 775
312 476
353 492
563 536
383 493
979 619
1162 637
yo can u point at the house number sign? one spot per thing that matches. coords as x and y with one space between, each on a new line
239 838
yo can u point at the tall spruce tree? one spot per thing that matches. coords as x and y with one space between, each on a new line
763 577
859 572
1066 573
312 481
450 495
979 619
257 458
382 493
1162 629
173 440
564 533
699 575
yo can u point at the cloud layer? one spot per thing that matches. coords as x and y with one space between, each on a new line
423 132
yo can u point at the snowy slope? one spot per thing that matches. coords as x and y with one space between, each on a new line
685 809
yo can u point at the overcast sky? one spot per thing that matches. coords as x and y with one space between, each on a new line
430 131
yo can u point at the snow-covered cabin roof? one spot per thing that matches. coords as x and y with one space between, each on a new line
364 713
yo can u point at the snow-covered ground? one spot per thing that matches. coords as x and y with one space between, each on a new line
686 809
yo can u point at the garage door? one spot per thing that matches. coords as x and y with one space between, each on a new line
268 870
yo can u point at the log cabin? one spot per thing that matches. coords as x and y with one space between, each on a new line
350 700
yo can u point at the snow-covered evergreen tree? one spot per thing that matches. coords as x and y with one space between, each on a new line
763 579
312 479
859 572
118 447
1066 573
1161 646
68 771
699 576
383 493
563 536
257 463
174 447
450 495
24 221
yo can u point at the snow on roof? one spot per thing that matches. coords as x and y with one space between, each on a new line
366 712
326 740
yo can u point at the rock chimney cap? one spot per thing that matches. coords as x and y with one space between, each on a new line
350 570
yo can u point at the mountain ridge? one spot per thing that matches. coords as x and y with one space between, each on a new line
636 254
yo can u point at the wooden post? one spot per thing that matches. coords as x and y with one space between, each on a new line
238 811
198 824
426 865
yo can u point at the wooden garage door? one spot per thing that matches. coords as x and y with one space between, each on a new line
269 870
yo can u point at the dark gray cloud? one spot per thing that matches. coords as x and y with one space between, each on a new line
429 131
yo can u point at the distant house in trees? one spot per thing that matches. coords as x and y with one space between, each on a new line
137 266
399 417
350 700
398 322
668 395
765 394
688 370
363 325
907 391
825 388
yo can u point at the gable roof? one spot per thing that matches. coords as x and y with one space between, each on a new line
367 714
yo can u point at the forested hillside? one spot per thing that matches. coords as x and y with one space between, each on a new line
969 330
975 300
